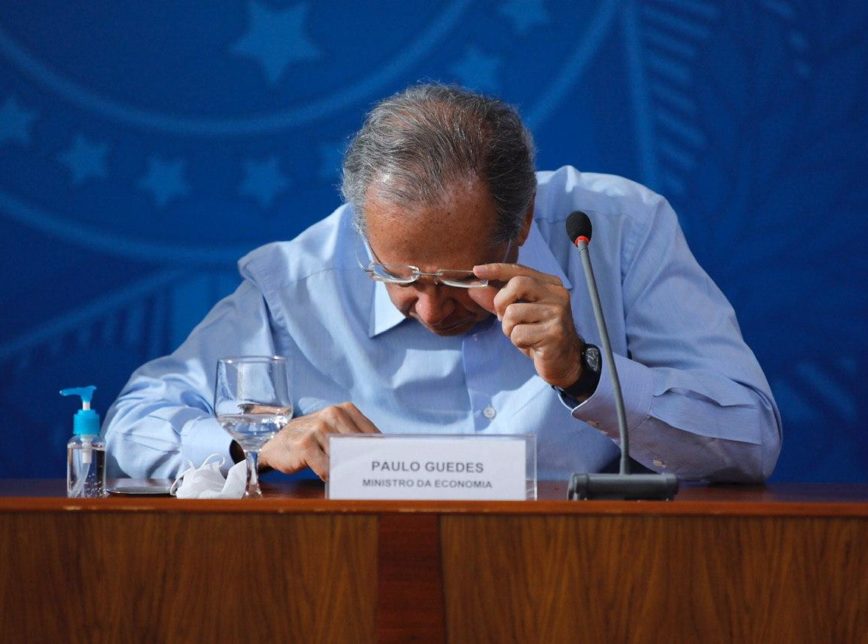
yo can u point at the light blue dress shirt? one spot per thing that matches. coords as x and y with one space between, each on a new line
697 402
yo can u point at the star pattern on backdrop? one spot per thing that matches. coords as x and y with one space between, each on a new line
165 180
275 38
85 159
263 181
15 122
477 70
524 14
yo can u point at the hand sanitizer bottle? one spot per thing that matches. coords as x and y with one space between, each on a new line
85 452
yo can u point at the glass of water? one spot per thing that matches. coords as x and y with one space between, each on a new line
252 403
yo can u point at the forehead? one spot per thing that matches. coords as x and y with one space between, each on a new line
457 231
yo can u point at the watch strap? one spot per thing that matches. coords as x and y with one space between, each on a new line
587 383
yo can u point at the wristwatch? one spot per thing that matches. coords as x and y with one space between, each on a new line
586 385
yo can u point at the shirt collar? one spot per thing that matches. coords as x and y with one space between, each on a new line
384 314
535 253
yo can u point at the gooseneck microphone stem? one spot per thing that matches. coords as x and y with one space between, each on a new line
601 485
582 245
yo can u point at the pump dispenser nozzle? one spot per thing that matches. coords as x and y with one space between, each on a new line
86 420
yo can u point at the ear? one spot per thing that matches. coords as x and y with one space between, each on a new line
526 224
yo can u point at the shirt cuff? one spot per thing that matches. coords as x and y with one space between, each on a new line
599 410
201 437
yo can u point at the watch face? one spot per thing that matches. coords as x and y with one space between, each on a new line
592 357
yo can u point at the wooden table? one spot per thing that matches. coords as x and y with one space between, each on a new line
719 564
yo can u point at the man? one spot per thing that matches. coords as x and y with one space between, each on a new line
445 296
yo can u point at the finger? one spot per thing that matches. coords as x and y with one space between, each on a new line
319 462
335 420
504 272
353 421
344 419
321 436
526 313
311 449
304 441
523 289
294 447
555 350
534 338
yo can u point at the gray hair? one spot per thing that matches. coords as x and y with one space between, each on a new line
430 136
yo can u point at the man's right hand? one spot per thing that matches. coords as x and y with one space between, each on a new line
303 441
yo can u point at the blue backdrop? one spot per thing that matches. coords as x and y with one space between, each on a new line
144 147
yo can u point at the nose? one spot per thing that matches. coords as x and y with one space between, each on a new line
433 304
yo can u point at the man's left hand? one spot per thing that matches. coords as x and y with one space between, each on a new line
534 309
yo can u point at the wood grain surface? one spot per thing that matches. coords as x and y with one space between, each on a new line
655 579
410 604
150 577
724 564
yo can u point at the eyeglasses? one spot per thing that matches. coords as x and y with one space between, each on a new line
406 274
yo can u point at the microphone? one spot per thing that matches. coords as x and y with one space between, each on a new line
623 485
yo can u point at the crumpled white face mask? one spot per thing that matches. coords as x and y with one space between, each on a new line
207 482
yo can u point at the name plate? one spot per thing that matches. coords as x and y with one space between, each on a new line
454 466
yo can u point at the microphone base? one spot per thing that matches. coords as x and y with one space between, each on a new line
662 487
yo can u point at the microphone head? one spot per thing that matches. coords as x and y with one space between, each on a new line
578 225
